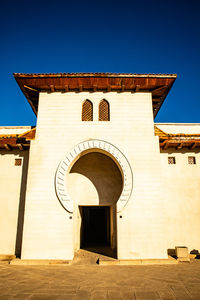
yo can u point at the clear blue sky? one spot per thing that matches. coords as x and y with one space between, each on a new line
147 36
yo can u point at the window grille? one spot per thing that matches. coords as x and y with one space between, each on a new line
191 160
18 162
104 111
87 111
171 160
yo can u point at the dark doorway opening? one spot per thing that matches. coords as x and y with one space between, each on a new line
95 227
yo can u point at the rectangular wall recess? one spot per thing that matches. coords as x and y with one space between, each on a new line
191 160
18 161
171 160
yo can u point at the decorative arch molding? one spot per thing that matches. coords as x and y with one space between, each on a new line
91 146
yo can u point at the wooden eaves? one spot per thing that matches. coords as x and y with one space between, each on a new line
17 141
177 141
158 84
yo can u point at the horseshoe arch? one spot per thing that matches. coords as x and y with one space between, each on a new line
74 154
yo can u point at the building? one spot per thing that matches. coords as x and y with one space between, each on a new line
97 170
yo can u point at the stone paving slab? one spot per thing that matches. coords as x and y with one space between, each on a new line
93 282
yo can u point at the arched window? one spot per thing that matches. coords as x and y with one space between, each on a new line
104 111
87 111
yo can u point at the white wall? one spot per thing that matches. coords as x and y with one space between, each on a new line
181 191
48 231
12 186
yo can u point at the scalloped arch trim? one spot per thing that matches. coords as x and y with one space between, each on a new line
70 158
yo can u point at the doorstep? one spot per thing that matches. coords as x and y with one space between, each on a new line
136 262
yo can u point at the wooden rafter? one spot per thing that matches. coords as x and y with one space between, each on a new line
30 88
20 146
94 87
52 88
193 145
165 145
179 146
158 89
66 88
137 88
8 147
156 100
109 88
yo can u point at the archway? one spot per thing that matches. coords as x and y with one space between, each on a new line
95 184
94 178
72 156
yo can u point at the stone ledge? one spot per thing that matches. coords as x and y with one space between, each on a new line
169 261
4 262
6 257
39 262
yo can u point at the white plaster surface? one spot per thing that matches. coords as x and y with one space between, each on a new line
10 186
48 229
181 194
162 212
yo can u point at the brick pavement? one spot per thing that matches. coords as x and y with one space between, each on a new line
93 282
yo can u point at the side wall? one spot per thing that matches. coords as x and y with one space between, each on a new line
12 197
181 192
48 228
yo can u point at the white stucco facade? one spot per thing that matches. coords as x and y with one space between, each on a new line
181 194
154 206
58 123
12 185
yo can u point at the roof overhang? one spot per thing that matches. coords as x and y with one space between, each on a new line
158 84
17 141
178 140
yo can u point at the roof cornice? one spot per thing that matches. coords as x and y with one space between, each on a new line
158 84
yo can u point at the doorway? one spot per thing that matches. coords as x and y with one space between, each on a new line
95 183
95 226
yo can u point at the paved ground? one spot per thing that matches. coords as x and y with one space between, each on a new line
180 281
